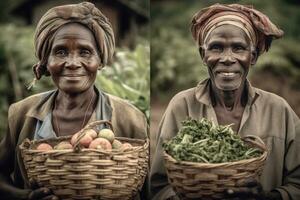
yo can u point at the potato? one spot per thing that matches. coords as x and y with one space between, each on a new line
116 144
44 147
64 145
91 132
126 146
102 142
107 134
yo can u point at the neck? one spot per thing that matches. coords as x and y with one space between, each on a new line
229 100
65 101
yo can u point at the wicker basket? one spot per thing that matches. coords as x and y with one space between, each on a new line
88 173
191 180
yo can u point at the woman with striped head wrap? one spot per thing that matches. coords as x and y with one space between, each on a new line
230 39
72 42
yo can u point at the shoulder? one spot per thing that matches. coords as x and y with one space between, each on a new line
274 105
130 121
121 105
183 97
272 100
24 105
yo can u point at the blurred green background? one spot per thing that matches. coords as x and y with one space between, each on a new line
128 76
176 64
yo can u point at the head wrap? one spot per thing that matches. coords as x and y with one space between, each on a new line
84 13
257 26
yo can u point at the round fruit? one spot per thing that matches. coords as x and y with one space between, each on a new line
116 144
86 140
102 142
64 145
44 147
73 139
91 132
107 134
126 146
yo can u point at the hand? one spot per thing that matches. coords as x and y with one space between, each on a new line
251 189
40 193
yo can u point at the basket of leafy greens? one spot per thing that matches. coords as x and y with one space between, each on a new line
205 159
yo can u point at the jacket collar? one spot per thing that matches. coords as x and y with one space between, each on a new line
202 91
44 105
46 102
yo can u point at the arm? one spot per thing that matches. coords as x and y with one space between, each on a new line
168 128
290 185
7 163
290 188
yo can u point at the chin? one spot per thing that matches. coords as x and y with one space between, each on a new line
228 86
72 89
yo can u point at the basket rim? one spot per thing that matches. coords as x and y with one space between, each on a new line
213 165
24 146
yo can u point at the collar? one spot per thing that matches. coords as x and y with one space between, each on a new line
202 91
45 105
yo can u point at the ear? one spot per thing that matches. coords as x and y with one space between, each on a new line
37 71
202 54
254 56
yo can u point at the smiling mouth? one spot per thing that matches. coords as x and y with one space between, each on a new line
73 75
228 74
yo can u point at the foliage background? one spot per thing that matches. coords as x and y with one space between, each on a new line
127 77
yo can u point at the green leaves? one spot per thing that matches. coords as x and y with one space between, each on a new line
129 77
203 141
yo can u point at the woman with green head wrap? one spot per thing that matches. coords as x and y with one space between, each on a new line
72 43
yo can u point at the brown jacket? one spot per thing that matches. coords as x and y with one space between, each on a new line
266 115
127 121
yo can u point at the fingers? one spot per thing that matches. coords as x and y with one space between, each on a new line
239 192
50 197
33 184
243 192
250 182
39 193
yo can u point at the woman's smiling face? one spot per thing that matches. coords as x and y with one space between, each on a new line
228 55
74 60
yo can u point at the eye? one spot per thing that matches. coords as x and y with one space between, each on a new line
85 52
239 48
215 47
61 52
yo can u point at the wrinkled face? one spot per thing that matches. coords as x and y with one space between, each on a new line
228 56
74 59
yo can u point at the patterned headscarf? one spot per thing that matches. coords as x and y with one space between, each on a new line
84 13
257 26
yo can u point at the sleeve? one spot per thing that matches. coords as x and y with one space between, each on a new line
290 189
168 128
7 158
7 153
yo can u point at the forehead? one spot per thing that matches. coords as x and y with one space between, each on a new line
228 32
76 32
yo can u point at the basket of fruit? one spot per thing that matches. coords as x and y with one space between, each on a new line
88 165
203 160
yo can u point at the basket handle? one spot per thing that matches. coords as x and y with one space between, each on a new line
82 132
254 139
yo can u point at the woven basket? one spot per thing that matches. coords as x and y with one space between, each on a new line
191 180
88 173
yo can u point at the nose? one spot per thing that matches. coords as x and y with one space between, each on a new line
227 58
72 62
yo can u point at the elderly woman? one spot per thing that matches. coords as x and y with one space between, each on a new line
72 43
230 39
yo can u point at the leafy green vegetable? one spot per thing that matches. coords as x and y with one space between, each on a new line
203 141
